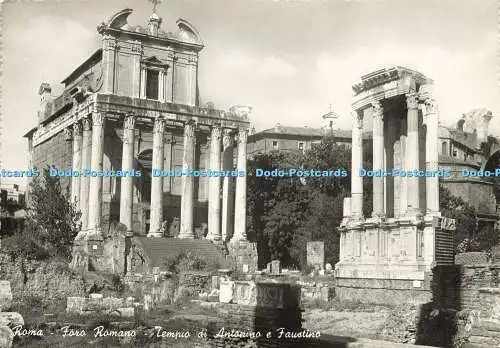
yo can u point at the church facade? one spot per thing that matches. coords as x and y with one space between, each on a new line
132 143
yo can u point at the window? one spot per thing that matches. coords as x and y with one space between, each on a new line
275 144
301 146
455 153
152 84
444 149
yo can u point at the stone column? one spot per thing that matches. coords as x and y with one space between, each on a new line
356 165
214 202
77 162
378 159
240 210
156 217
412 155
85 180
127 182
187 208
227 186
431 155
95 191
108 63
403 181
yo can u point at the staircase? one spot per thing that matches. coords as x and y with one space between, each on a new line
157 249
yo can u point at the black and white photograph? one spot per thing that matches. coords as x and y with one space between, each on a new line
250 173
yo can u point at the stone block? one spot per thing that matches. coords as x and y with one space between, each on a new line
245 293
5 295
11 319
215 282
6 337
316 254
226 291
124 312
275 267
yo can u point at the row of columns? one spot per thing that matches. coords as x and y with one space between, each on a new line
410 192
88 152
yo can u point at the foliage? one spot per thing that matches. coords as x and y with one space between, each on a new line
284 213
187 261
52 223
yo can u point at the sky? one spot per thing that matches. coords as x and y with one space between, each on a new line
287 59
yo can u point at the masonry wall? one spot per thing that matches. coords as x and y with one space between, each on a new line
57 151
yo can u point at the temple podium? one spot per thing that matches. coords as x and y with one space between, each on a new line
389 257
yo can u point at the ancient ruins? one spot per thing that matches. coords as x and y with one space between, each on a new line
405 237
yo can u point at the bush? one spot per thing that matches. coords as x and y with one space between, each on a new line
185 261
52 223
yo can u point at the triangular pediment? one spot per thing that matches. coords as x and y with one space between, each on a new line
154 60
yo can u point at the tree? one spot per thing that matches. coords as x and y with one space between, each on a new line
52 222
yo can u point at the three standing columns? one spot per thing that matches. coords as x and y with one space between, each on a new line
409 190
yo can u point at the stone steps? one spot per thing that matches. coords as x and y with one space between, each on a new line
159 248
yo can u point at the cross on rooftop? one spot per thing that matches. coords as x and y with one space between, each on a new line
155 4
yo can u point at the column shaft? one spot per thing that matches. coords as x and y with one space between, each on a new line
227 187
95 192
214 202
403 181
412 154
77 162
156 216
240 209
378 159
85 180
431 154
187 208
356 165
127 182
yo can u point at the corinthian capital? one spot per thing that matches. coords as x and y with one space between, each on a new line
68 134
86 123
378 111
412 100
189 128
430 106
358 119
216 132
97 119
159 126
77 129
242 135
228 138
129 122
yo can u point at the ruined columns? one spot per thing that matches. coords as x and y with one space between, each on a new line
412 155
227 185
431 154
85 180
214 203
356 165
240 232
378 159
157 181
77 161
95 191
127 182
187 208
